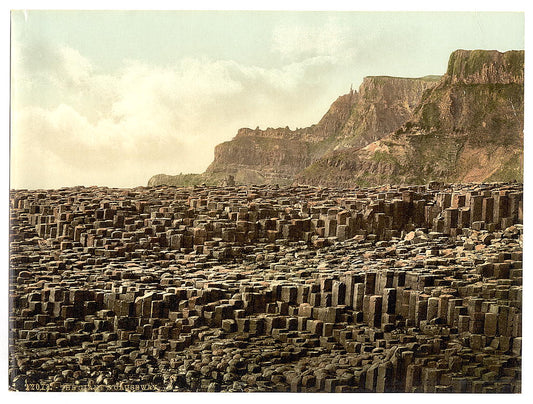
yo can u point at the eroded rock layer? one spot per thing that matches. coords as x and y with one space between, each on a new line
277 155
469 127
464 126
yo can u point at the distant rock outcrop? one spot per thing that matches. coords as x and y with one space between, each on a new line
469 127
383 105
464 126
277 155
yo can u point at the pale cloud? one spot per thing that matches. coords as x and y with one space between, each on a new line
73 125
75 67
296 40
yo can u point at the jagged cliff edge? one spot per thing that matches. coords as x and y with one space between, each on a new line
464 126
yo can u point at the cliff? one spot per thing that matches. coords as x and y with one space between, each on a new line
384 104
464 126
277 155
469 127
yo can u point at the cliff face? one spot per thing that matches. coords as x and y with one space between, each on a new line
384 104
262 159
464 126
481 66
277 155
469 127
355 118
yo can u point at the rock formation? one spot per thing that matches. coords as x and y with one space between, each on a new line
464 126
469 127
267 288
276 155
384 104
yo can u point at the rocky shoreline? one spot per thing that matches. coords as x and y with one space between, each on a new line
267 288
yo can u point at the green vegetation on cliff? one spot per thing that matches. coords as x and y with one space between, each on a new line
511 170
465 63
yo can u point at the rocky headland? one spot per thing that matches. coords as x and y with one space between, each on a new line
466 125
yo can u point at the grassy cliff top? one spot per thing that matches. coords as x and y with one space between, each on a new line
431 78
468 62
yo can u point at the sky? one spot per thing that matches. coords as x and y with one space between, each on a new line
111 98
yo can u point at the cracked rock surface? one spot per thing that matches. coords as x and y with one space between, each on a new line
266 288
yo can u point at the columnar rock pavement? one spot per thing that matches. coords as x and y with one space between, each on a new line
267 288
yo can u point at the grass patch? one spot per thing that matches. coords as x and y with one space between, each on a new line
511 170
